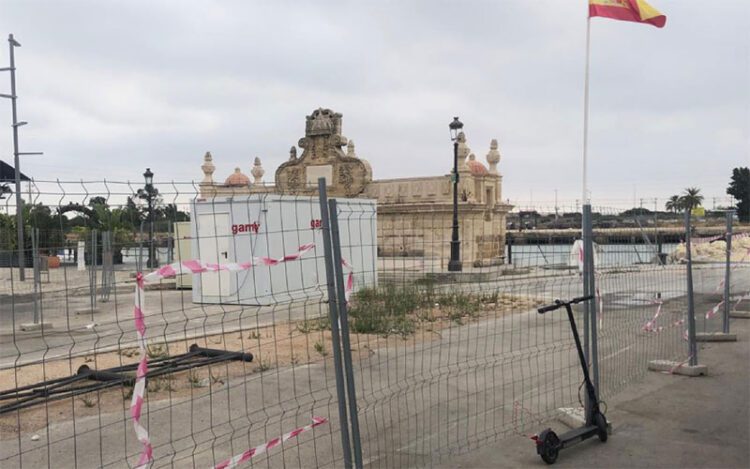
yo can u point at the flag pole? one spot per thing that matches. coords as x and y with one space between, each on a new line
584 195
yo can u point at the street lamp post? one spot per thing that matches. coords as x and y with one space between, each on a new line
149 193
454 265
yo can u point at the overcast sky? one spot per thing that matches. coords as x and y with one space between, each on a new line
111 87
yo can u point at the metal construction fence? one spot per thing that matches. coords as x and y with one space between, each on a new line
291 331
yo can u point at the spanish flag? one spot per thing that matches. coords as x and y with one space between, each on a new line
627 10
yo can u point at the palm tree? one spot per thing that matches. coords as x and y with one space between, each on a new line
673 204
691 198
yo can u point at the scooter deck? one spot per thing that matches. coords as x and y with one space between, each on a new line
577 435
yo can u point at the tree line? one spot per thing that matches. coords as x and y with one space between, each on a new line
739 188
56 223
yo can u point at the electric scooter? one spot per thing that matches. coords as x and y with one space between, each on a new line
548 444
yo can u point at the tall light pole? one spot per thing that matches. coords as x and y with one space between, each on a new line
12 44
454 265
149 194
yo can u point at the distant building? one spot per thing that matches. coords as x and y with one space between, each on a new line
414 214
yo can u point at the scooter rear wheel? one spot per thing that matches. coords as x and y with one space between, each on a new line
550 447
601 424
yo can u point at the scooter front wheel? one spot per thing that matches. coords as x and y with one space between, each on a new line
550 447
601 424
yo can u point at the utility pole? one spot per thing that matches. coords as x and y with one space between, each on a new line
12 43
16 161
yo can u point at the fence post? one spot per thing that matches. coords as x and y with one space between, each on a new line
727 271
108 267
692 348
347 349
509 241
37 274
589 288
92 273
334 318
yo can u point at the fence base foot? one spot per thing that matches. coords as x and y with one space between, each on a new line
87 311
30 327
162 285
737 314
574 417
676 368
715 337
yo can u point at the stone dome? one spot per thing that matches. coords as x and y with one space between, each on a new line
476 168
237 179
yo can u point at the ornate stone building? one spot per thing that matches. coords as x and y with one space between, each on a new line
414 214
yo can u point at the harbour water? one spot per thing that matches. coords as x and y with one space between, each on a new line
608 255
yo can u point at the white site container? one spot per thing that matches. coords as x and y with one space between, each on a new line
238 229
183 251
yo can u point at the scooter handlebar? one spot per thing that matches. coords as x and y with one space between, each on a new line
560 303
548 308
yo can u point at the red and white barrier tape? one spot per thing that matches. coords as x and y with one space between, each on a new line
136 404
349 286
739 300
246 455
650 326
712 312
721 237
167 271
519 411
196 266
677 366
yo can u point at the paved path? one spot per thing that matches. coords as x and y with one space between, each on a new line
173 316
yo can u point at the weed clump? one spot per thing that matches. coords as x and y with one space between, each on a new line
395 310
312 325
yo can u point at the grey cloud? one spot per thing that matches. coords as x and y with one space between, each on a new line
111 87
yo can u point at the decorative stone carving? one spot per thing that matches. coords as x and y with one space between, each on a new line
463 152
345 176
208 168
493 156
350 149
294 180
293 154
258 171
321 146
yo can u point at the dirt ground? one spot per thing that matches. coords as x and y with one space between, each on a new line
280 345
